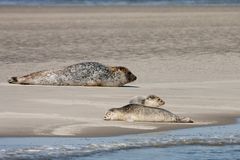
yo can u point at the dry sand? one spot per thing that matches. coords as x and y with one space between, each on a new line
189 56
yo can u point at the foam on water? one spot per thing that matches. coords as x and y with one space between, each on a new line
225 138
69 151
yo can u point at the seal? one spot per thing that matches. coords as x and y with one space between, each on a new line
137 112
150 101
81 74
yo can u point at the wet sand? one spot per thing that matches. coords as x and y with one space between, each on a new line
189 56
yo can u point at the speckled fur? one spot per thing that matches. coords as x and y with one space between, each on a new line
150 101
82 74
137 112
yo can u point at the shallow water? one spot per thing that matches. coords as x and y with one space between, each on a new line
115 2
218 142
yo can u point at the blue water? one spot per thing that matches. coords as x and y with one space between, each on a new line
218 143
118 2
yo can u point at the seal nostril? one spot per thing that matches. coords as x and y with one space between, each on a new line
134 78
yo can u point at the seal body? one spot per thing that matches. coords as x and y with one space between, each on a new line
137 112
81 74
150 101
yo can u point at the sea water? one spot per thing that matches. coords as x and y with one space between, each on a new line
117 2
217 142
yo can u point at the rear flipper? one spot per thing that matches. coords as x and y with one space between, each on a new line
19 80
185 120
41 77
12 80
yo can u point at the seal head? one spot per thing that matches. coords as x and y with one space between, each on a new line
110 115
153 101
150 101
124 74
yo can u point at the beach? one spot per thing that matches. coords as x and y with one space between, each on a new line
189 56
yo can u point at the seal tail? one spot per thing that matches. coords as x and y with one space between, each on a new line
185 120
41 77
21 80
13 80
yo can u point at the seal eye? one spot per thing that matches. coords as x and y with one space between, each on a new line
152 97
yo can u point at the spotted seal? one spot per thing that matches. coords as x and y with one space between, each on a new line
138 112
81 74
150 101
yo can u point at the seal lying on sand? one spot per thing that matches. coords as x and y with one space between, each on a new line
150 101
81 74
137 112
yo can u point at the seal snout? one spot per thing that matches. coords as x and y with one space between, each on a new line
107 116
162 101
134 77
131 77
12 80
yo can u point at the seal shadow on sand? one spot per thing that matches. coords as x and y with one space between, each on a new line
128 86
